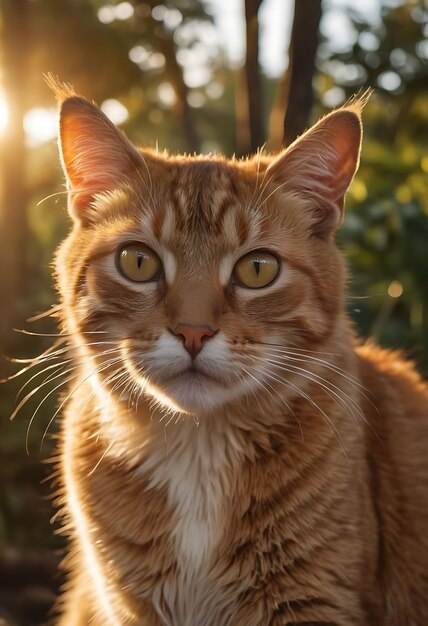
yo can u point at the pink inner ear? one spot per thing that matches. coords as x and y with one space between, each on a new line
96 156
346 153
321 164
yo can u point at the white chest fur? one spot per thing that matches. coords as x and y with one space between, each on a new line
197 465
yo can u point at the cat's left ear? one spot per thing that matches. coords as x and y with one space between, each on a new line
321 164
96 156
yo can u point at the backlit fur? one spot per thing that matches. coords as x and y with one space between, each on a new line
283 478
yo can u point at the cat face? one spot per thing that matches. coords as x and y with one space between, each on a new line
193 273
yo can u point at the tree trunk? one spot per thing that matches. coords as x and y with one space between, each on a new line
279 108
253 78
13 192
301 67
242 122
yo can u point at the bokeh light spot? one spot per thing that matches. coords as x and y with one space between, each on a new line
106 14
196 99
115 111
358 190
334 96
166 94
124 10
159 12
368 41
403 194
40 126
138 54
424 164
214 90
390 81
395 289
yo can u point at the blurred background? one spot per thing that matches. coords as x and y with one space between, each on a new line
195 75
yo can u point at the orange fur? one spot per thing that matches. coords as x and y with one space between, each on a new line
279 478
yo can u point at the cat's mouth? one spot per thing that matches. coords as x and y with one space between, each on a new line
178 383
191 390
194 374
194 390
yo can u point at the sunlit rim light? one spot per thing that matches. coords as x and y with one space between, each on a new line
4 114
164 401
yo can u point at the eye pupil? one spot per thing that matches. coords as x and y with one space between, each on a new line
256 269
139 263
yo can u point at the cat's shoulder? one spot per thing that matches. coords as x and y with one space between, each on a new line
381 365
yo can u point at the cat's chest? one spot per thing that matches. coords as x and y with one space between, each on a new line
198 470
193 481
160 524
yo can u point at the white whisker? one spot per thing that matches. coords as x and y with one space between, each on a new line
282 400
67 380
265 371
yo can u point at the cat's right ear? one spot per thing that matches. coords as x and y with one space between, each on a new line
96 156
321 164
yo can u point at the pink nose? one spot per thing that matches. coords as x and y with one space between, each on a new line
192 336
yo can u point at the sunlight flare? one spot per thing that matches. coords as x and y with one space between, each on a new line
40 126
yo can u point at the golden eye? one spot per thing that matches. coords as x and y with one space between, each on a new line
138 263
257 269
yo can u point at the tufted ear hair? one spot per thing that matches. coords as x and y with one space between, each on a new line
321 164
96 156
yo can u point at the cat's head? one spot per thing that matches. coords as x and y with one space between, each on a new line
189 277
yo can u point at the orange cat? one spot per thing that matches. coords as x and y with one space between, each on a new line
229 456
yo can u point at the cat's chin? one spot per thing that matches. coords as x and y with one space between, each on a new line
191 392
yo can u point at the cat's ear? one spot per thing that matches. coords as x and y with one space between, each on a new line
96 156
321 164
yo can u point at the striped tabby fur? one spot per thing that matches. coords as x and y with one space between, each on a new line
283 478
